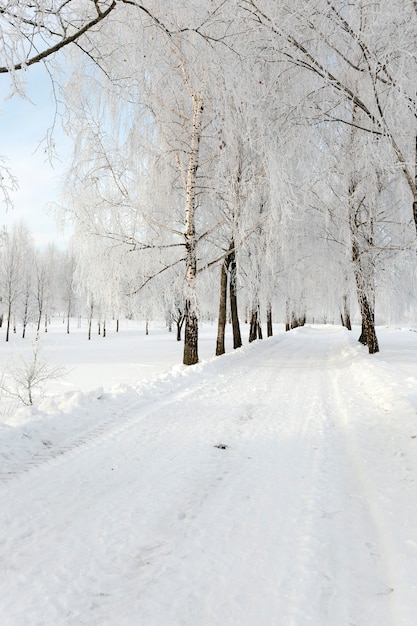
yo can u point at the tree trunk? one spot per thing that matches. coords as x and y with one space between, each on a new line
295 322
38 327
368 335
221 324
25 315
9 315
269 329
287 317
363 336
415 187
190 338
179 322
348 323
90 320
237 336
190 356
345 316
254 330
69 314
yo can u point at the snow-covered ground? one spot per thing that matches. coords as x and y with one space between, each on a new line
274 486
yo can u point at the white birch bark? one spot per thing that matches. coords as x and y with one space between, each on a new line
191 316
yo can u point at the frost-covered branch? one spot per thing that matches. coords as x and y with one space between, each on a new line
27 27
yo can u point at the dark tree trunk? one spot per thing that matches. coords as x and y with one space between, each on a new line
9 314
221 324
90 320
287 317
269 329
190 356
255 330
259 329
179 320
363 336
368 335
38 327
252 327
237 336
347 320
294 321
25 315
415 187
348 323
345 316
69 314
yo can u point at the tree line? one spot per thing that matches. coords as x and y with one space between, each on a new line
264 152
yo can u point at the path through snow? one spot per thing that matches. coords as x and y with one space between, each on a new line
274 486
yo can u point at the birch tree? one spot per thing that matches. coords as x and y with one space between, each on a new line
359 55
169 104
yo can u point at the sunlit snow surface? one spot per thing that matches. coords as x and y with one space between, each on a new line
274 486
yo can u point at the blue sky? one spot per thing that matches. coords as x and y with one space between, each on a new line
23 126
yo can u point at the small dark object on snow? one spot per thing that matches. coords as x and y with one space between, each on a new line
221 446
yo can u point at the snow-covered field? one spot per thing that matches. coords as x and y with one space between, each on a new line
274 486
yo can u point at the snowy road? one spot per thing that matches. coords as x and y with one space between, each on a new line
275 486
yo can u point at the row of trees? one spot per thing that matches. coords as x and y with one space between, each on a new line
268 147
39 284
34 284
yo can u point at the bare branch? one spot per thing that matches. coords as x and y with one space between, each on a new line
164 269
66 39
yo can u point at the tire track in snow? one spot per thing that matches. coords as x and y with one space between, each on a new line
288 512
340 535
287 453
326 561
381 511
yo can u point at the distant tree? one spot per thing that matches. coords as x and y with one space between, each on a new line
12 269
68 286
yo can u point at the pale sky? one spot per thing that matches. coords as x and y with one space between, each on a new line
23 125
